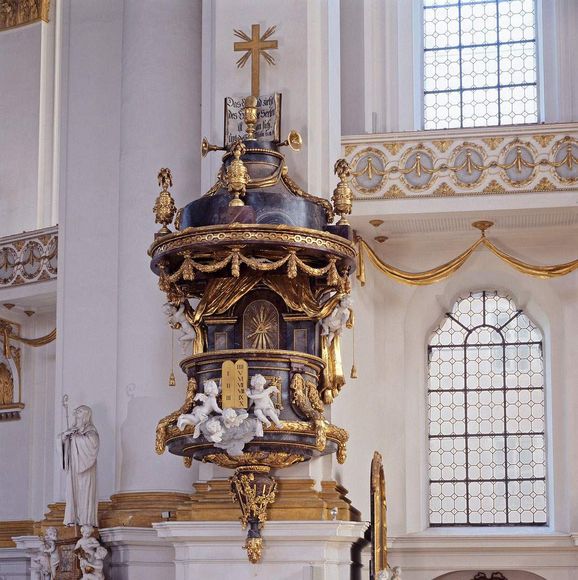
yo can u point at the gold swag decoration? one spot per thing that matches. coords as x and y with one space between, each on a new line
6 335
445 270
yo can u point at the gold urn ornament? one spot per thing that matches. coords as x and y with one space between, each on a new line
237 176
342 194
164 208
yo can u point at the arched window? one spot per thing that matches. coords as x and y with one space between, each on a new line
480 63
487 461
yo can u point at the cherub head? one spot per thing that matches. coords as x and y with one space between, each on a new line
233 419
169 309
51 533
213 430
86 531
210 388
347 301
258 383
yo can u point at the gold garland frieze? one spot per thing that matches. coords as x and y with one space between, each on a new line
240 233
273 459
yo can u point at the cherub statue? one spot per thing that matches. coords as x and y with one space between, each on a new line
91 554
201 413
213 430
262 403
233 419
45 564
94 570
178 320
51 550
332 325
86 546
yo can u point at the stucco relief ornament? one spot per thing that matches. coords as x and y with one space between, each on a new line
177 320
334 324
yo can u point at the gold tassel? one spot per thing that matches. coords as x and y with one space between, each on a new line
332 276
172 379
292 265
353 373
235 263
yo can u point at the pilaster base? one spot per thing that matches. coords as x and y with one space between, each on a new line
292 550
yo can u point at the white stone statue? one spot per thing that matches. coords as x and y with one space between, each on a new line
232 418
45 565
333 324
201 413
91 554
80 449
261 401
177 319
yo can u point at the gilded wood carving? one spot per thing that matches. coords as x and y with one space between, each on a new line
19 12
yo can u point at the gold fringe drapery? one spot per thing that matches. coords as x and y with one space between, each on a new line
441 272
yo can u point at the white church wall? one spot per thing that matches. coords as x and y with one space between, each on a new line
19 127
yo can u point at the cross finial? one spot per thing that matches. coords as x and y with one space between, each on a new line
255 46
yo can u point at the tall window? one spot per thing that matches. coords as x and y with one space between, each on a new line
479 63
487 462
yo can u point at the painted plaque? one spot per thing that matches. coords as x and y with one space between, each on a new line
234 382
268 127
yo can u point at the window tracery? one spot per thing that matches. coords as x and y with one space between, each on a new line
487 461
480 63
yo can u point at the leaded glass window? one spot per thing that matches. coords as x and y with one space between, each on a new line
480 65
487 460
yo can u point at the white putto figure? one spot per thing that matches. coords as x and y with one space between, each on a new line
262 403
333 324
201 413
45 565
91 554
80 448
177 319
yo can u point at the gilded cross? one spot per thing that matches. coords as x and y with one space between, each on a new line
254 46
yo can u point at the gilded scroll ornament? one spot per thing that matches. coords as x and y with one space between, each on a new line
305 397
254 490
170 420
378 518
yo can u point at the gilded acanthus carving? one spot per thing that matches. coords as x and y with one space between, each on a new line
19 12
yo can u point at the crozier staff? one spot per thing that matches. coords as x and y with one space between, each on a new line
80 448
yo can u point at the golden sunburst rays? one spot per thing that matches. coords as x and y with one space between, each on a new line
262 329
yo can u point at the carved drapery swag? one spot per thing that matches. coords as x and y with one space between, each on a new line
223 293
443 271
